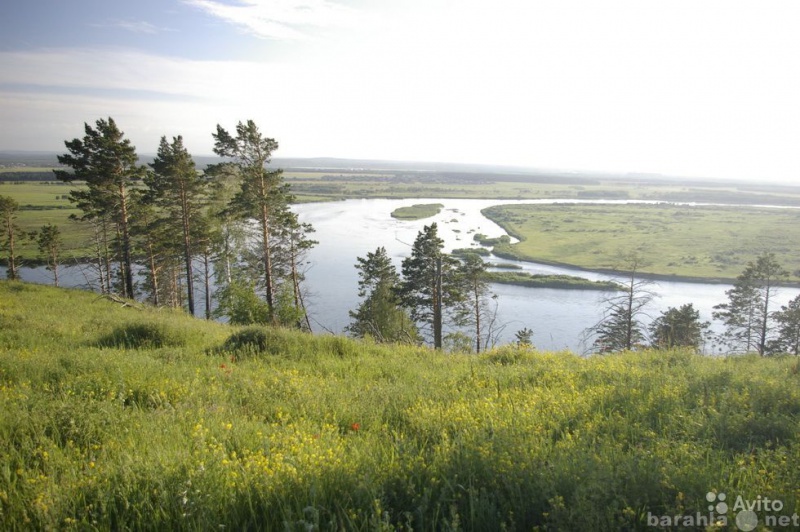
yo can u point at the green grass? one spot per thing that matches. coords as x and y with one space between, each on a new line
682 241
38 194
417 212
119 418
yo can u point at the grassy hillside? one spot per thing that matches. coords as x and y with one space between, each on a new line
121 418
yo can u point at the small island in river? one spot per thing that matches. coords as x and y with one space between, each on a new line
417 212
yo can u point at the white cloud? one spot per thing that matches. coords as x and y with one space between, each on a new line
694 89
128 70
280 19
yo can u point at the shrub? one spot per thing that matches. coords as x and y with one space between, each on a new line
241 305
509 355
143 335
247 342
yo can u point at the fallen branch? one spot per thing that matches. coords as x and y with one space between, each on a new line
124 302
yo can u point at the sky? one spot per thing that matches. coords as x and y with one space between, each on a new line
699 88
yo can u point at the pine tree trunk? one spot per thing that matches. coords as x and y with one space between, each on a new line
298 296
762 344
98 247
227 251
187 250
477 321
173 287
126 244
270 296
153 271
207 277
437 307
187 257
107 255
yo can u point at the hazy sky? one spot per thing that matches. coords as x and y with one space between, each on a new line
701 88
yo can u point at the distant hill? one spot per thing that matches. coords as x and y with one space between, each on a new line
35 165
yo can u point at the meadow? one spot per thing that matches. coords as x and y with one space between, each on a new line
683 241
127 418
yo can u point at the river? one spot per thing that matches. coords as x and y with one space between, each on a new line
352 228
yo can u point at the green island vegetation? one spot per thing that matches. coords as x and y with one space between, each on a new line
695 242
483 252
417 212
488 242
119 417
503 265
531 280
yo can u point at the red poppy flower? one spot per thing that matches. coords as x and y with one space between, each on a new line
355 426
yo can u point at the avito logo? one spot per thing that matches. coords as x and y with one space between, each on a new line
746 517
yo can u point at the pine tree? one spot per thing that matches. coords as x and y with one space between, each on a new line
9 230
747 315
291 249
380 315
157 239
108 164
262 196
49 242
430 282
621 327
226 233
99 219
619 331
678 327
474 310
788 320
524 337
180 191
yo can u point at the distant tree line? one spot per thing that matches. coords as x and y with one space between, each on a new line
25 177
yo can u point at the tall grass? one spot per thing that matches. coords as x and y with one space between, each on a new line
116 418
